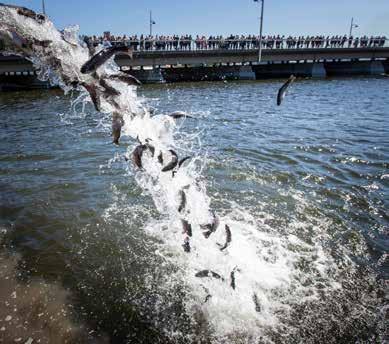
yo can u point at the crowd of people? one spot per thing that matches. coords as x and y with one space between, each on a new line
236 42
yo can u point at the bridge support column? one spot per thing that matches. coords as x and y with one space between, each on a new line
246 73
377 68
386 65
355 68
318 70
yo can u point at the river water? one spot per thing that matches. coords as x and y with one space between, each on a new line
304 188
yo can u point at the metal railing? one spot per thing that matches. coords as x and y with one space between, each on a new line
249 44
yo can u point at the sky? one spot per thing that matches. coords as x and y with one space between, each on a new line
225 17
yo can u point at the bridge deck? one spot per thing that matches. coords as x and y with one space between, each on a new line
211 57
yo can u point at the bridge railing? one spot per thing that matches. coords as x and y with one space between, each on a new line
247 44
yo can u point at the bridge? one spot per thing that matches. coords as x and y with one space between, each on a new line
240 64
221 56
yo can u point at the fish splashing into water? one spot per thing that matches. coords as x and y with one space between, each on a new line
265 264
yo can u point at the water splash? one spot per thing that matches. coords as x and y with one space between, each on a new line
266 274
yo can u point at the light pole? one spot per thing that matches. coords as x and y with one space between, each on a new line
260 30
152 22
43 7
352 26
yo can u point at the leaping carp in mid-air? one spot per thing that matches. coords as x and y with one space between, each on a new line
103 56
282 91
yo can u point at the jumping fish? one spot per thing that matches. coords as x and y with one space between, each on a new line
109 91
208 296
256 303
126 78
282 90
232 275
179 114
160 158
228 238
208 273
103 56
175 114
186 228
93 93
117 123
186 245
210 227
173 163
137 155
182 205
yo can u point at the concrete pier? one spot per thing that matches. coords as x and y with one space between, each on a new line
284 70
386 65
246 73
377 68
318 70
345 68
149 76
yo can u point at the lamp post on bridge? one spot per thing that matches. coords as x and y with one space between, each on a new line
260 30
352 26
152 22
43 7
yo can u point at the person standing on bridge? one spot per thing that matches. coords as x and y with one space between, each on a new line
350 41
106 43
356 42
197 42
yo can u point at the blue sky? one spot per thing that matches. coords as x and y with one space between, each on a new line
298 17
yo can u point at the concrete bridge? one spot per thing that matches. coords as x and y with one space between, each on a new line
220 64
172 66
220 56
